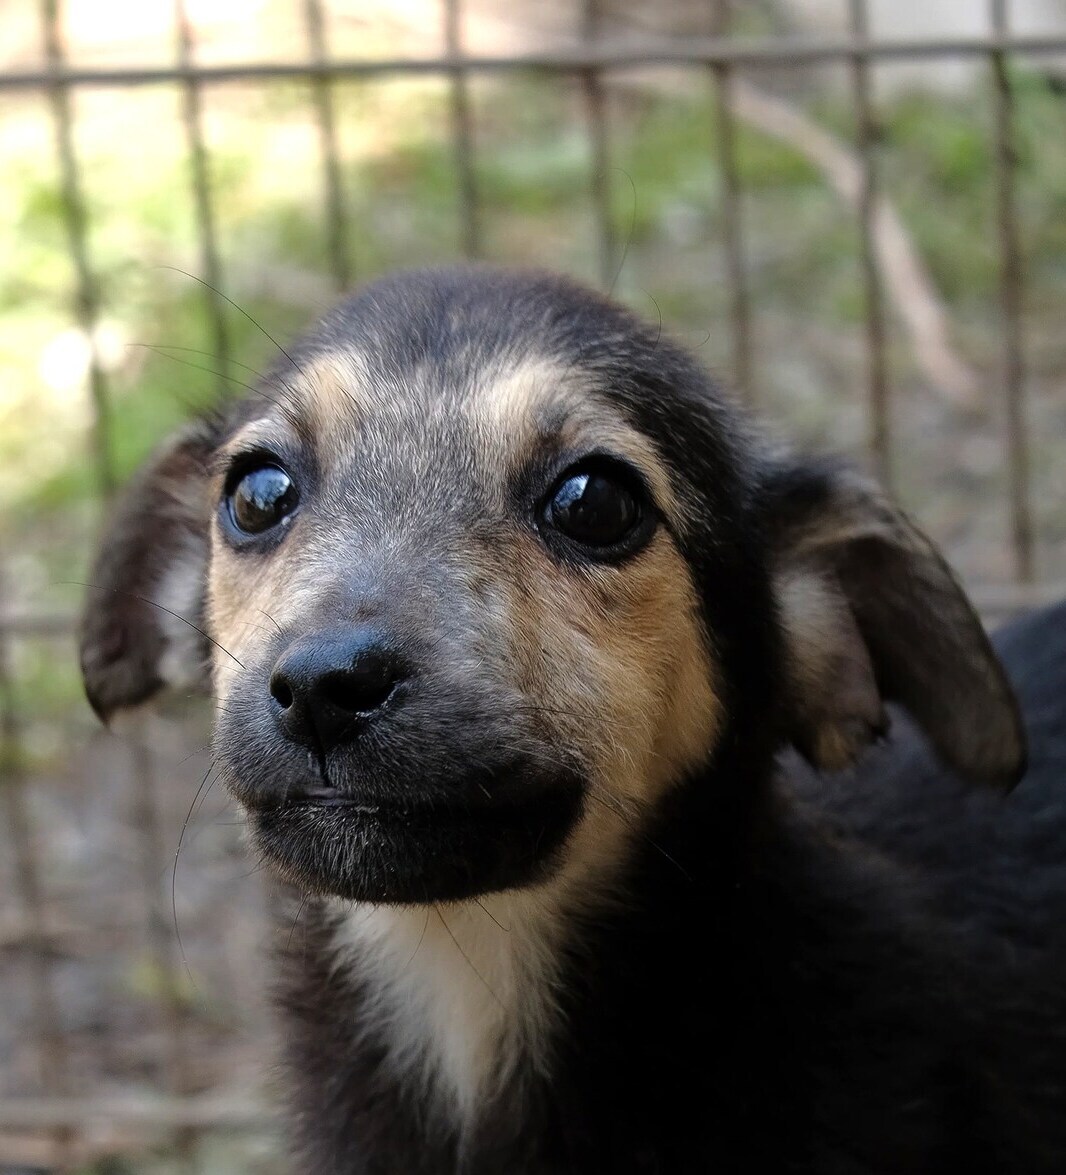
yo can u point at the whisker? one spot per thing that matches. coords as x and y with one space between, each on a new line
193 754
418 945
484 981
593 793
240 309
174 874
629 235
292 929
164 347
195 366
505 929
658 310
272 620
155 604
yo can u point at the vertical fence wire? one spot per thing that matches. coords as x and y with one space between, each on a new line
200 179
153 854
462 133
596 114
86 295
46 1023
880 439
1010 298
732 225
322 92
52 1044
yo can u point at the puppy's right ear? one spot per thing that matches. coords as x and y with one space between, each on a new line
144 615
871 613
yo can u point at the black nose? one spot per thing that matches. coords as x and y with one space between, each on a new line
328 686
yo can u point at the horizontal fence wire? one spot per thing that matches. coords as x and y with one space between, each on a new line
991 599
196 1112
781 51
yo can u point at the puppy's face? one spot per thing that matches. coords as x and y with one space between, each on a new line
456 622
486 571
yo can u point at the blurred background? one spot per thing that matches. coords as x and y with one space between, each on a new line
855 213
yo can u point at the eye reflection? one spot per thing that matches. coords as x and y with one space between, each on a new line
261 499
602 508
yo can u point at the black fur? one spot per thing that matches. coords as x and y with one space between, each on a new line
856 976
859 975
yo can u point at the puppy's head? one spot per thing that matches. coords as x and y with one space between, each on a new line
485 569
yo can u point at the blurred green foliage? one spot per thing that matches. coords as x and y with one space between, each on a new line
533 158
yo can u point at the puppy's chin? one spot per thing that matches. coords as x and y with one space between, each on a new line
423 852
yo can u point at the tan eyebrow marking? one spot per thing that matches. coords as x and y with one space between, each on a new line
517 402
265 431
332 390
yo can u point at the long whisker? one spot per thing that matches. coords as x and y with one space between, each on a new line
418 945
292 928
163 348
174 873
632 229
470 964
272 620
505 929
155 604
240 309
193 754
595 794
195 366
258 389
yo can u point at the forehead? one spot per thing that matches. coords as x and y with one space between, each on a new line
471 411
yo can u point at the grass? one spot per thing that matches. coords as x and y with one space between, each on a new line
401 199
533 163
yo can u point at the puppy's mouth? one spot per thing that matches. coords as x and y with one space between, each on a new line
423 849
330 797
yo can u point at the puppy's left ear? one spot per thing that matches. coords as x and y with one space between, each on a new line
871 612
143 620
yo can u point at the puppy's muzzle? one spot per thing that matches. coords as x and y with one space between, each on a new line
378 763
328 687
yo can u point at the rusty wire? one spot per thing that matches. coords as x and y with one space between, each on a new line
589 61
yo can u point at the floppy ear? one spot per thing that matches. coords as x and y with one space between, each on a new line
144 610
872 613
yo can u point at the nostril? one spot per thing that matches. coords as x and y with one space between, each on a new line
363 688
325 689
281 691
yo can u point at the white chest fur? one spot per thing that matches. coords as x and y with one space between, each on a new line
462 996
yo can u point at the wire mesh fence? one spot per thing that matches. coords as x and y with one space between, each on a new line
118 894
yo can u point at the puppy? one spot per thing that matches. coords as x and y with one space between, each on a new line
515 627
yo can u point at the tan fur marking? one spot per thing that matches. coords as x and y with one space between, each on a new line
334 391
835 695
617 658
510 405
265 431
612 672
243 611
621 652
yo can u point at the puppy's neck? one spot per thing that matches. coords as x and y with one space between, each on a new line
462 997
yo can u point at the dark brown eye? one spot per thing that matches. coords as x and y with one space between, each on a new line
602 509
261 499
